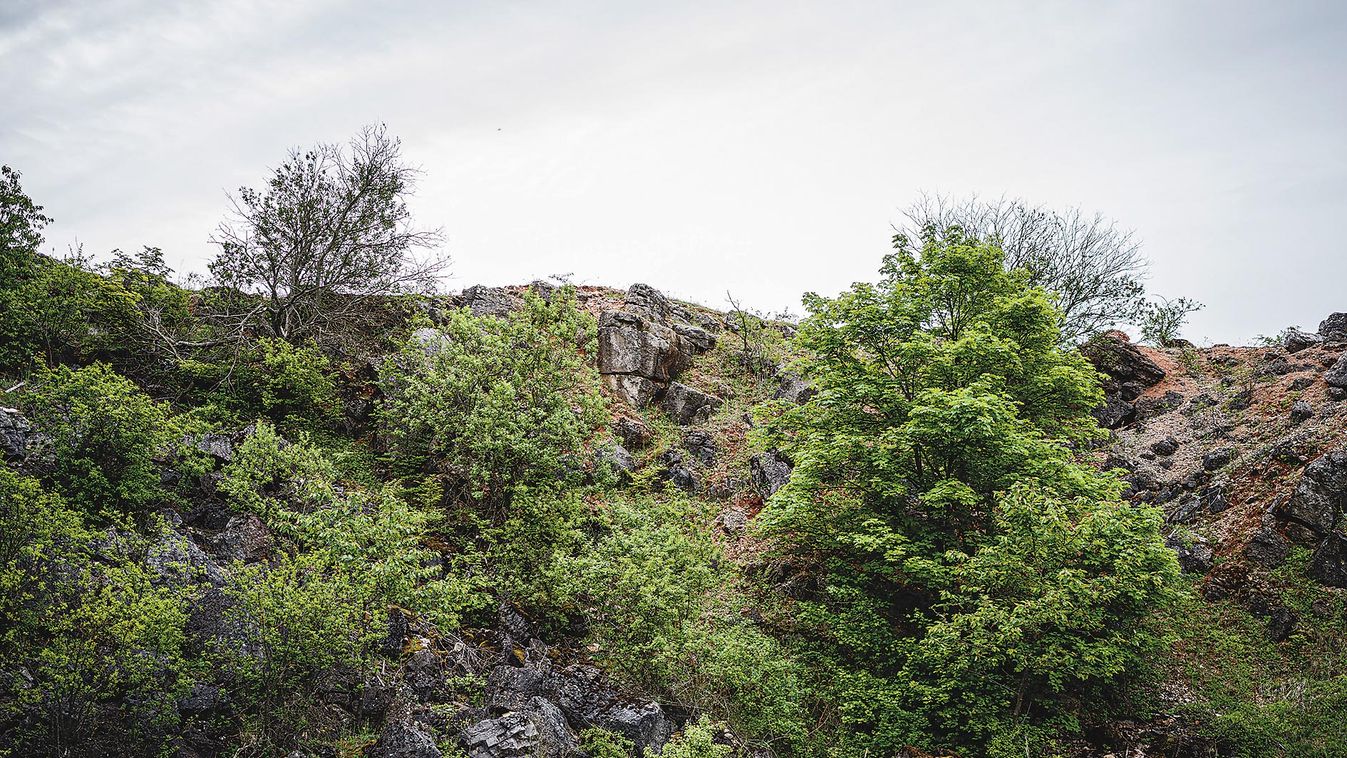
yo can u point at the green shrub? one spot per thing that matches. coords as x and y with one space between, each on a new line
105 435
656 595
495 404
697 740
101 644
601 743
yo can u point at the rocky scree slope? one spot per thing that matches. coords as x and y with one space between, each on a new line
1245 448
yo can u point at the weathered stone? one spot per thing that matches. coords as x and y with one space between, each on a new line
218 446
770 472
1166 446
1150 407
245 538
1321 496
1336 376
702 446
1115 355
1301 411
1301 383
424 673
490 301
636 391
650 300
1334 328
695 339
1219 458
1115 412
14 433
688 405
1267 548
630 344
633 432
616 458
405 738
1297 340
1328 564
792 388
645 724
677 472
1194 554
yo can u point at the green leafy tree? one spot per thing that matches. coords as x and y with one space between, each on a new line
331 231
941 388
494 405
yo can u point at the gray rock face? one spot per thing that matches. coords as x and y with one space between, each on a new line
405 739
1321 497
633 432
1267 548
537 731
177 561
617 458
631 344
578 695
1301 411
770 472
687 405
792 388
218 446
1127 373
701 445
1296 340
490 301
1334 328
644 346
1336 376
245 538
1328 564
1219 458
1166 446
1195 555
14 433
424 673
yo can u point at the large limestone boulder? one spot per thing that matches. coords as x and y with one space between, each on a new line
644 345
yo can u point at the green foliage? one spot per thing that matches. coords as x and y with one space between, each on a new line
657 596
104 436
1161 321
495 404
949 611
344 557
101 643
697 740
290 382
601 743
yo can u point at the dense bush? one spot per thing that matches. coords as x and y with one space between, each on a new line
101 641
949 612
104 435
494 404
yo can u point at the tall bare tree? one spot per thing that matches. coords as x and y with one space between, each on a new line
303 256
1092 267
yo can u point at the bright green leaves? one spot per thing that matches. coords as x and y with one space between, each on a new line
104 436
493 404
951 611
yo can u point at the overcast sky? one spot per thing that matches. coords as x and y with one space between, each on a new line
760 148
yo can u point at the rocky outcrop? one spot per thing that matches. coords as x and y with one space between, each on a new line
1296 340
645 345
1127 373
770 472
1336 375
14 433
1334 328
688 405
